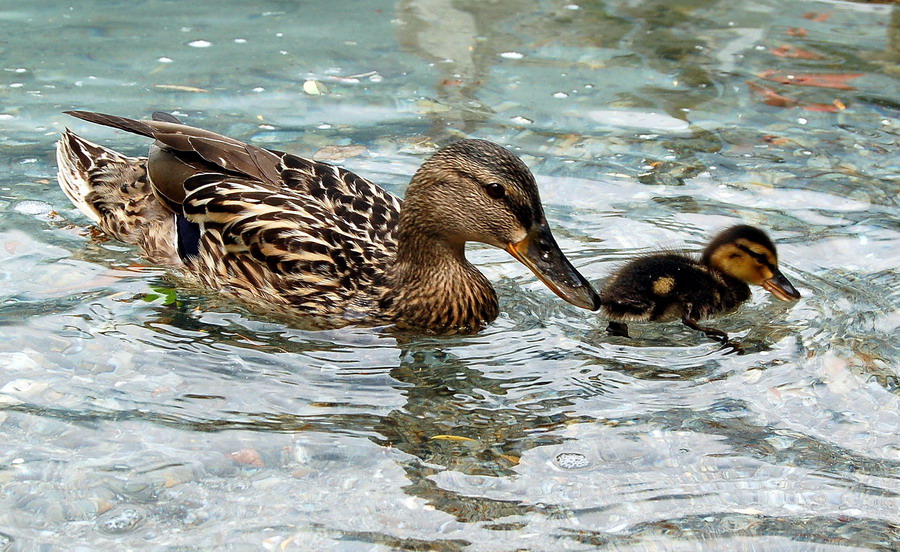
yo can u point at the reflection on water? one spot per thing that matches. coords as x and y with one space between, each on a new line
136 410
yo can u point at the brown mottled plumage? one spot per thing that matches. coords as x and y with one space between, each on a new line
309 237
669 286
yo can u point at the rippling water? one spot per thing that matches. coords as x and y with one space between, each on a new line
136 413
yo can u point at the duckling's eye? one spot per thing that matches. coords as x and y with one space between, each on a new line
495 190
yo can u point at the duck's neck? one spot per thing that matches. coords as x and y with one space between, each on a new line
731 291
435 287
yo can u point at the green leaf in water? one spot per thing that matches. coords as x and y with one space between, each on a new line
168 295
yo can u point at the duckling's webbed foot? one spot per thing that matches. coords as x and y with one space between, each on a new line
617 328
711 333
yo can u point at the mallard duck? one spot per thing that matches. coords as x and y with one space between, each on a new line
667 286
311 238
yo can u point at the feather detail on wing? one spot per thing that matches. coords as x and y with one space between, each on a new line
295 232
305 243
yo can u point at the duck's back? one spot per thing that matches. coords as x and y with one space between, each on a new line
260 224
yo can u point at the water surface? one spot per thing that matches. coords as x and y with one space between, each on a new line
136 413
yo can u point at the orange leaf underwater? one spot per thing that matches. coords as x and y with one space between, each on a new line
818 17
794 53
833 107
770 97
837 81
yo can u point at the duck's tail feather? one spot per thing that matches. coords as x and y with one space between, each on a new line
165 117
114 192
114 121
72 160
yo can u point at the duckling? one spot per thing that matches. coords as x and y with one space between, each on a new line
668 286
307 237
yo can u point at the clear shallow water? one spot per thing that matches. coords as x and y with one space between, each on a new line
132 417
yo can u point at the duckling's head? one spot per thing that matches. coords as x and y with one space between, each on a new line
475 190
746 253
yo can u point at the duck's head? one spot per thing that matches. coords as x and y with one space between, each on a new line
746 253
474 190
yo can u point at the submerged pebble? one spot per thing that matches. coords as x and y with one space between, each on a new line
572 460
19 361
121 519
22 390
37 209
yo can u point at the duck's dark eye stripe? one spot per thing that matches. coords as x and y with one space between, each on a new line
524 211
760 258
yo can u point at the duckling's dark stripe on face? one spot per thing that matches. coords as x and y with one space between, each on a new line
759 257
749 236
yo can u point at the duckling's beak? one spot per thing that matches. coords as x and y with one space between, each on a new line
539 252
780 287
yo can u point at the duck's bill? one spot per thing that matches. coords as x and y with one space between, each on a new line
539 252
781 287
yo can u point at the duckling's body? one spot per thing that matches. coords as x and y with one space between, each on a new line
670 286
311 238
666 287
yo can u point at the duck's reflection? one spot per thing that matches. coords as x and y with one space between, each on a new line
465 39
462 39
453 415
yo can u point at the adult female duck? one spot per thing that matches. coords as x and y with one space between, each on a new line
273 228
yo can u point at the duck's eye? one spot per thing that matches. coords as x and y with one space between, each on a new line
495 190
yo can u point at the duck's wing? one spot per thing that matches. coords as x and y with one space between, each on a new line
262 219
181 151
295 247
